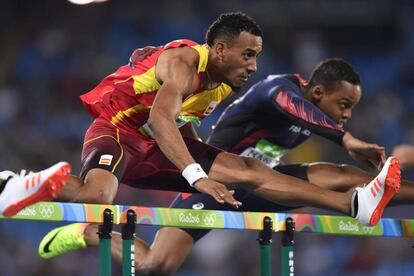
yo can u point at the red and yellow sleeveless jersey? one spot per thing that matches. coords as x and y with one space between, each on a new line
125 97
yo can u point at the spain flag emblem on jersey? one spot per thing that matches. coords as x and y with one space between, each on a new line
106 159
210 108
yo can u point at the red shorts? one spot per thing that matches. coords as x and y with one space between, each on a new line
137 161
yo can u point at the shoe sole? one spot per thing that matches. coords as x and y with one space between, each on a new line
48 191
392 185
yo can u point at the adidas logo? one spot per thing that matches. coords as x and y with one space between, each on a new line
376 187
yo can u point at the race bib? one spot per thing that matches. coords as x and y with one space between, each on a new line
266 152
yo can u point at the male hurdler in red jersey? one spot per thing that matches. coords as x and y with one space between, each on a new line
121 104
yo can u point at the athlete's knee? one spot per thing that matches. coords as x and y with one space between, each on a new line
100 187
103 196
249 171
252 166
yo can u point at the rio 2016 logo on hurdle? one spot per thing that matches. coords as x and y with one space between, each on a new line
265 223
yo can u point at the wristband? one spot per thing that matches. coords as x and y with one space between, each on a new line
192 173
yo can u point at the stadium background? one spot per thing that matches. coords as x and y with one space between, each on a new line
52 51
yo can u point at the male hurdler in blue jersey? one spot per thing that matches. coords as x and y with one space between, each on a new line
281 112
274 116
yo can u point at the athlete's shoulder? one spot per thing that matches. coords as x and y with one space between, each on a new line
273 83
283 79
180 43
188 49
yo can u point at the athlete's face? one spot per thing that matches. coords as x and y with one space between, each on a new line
238 59
338 103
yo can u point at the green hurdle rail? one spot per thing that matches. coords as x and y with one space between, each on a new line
264 222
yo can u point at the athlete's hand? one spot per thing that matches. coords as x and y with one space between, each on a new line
217 190
371 154
404 153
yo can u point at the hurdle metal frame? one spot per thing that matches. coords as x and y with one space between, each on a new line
266 223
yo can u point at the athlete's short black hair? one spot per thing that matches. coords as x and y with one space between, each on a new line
230 25
332 71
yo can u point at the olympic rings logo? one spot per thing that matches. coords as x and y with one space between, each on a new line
46 210
209 219
368 230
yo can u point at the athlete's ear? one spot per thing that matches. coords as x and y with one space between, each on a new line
220 49
317 93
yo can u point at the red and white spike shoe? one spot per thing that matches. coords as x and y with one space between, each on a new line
26 189
374 197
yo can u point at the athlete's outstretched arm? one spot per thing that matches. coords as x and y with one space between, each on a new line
176 69
371 154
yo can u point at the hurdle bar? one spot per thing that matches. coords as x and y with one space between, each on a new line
213 219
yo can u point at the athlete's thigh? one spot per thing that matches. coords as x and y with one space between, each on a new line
254 203
238 171
103 149
102 163
155 171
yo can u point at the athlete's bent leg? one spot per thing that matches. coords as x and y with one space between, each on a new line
100 187
166 254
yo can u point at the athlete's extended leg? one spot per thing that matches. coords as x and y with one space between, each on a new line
286 190
344 177
253 175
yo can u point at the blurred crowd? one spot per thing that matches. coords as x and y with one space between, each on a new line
53 51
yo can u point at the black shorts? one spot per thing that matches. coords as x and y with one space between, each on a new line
251 203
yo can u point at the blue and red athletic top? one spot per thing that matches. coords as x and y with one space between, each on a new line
270 119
